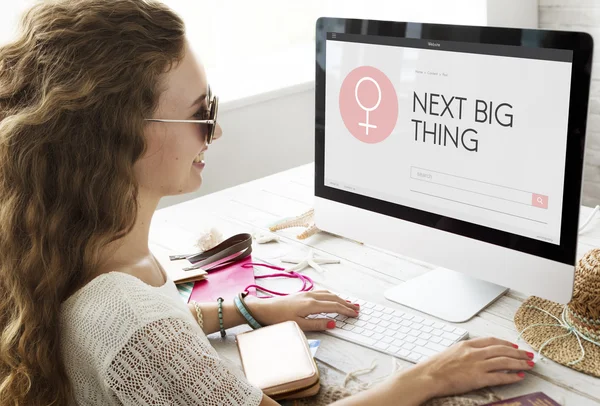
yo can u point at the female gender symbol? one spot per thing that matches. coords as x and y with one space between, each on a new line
367 110
380 104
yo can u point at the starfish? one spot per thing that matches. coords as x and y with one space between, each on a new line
309 261
304 220
265 238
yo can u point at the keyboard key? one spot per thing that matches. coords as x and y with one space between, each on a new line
382 345
375 320
367 333
426 329
418 319
414 333
400 336
398 343
446 343
389 333
420 342
460 331
364 317
424 336
436 339
410 339
394 326
341 317
377 336
379 329
449 329
384 323
366 311
406 323
424 351
388 310
348 327
349 335
358 330
403 353
350 320
450 336
393 349
369 305
379 308
361 302
331 315
435 347
439 325
371 326
339 324
407 316
360 323
414 356
404 330
417 326
387 340
437 332
396 320
428 322
408 346
386 317
398 313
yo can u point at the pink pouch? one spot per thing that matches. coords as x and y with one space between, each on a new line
225 282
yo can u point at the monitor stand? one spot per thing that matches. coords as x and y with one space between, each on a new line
446 294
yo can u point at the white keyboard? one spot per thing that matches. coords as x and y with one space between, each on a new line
394 332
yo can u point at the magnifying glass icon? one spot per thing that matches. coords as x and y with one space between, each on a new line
367 110
540 200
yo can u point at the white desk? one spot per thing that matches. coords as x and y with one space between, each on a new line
364 272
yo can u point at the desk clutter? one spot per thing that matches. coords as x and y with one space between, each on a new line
568 334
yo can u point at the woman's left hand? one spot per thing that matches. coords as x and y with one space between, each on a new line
300 305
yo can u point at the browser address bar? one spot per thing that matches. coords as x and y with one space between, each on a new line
479 187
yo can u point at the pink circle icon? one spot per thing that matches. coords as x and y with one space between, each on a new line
368 104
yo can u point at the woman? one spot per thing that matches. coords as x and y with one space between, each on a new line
87 315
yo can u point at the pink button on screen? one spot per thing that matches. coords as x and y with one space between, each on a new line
540 201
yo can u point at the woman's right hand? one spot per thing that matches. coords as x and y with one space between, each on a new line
474 364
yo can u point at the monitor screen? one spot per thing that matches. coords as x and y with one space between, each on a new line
475 132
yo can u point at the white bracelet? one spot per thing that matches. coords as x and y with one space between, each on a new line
198 313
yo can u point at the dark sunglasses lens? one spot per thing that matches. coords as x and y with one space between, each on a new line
213 116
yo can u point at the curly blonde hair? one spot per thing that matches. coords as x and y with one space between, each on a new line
75 87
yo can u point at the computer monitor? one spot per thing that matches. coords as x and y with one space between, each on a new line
459 146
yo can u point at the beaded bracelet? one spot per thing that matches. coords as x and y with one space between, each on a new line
220 301
198 313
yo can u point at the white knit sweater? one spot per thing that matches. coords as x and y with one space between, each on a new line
125 342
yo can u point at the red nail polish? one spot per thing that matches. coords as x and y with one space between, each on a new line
330 324
357 305
515 345
521 374
529 354
530 363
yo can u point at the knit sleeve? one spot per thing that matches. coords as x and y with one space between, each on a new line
166 362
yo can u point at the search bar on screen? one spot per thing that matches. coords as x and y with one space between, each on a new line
476 187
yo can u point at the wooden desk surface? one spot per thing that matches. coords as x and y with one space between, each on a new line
364 272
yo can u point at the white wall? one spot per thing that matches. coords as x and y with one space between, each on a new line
582 15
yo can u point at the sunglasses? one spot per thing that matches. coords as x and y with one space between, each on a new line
211 122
